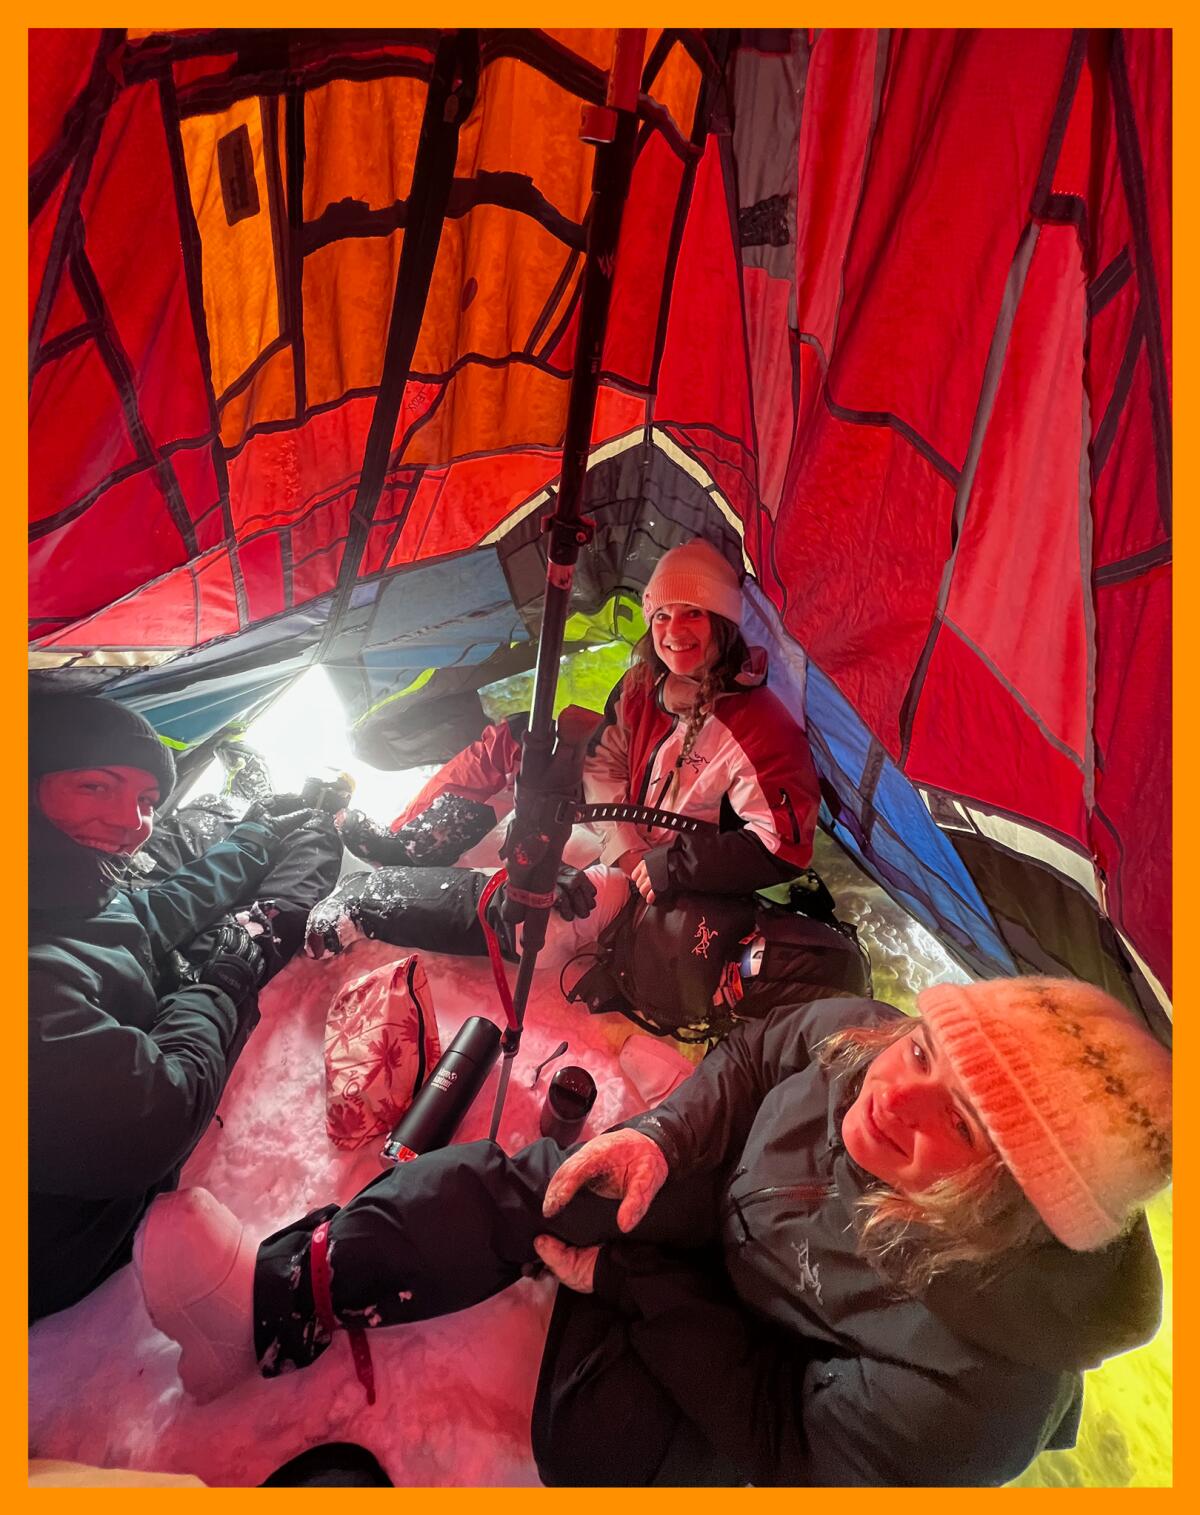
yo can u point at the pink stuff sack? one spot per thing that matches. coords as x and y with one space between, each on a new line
381 1041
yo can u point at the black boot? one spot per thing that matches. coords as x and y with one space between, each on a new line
429 908
434 839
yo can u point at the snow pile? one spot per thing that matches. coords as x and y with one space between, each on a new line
454 1395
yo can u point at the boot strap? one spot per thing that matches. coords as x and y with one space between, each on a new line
323 1300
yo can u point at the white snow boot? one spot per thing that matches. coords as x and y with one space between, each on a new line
195 1266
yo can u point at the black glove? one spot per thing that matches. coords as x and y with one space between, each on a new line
328 794
284 804
574 893
281 815
236 964
338 919
272 949
369 840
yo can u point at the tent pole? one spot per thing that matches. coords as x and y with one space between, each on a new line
451 94
549 769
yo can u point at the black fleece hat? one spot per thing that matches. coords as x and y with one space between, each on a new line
86 731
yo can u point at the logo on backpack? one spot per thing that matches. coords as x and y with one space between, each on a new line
704 939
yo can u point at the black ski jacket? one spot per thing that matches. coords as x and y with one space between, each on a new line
803 1366
123 1079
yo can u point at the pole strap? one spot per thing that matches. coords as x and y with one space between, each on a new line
493 946
644 815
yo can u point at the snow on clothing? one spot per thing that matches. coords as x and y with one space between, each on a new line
123 1078
736 1335
305 867
435 910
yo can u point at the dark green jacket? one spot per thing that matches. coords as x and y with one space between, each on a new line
123 1078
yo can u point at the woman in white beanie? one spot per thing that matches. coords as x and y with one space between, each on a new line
691 728
852 1248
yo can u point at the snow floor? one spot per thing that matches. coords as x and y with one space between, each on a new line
454 1395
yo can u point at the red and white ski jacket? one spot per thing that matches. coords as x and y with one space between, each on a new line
749 771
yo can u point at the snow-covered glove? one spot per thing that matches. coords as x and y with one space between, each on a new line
436 838
235 965
259 921
335 922
329 793
624 1165
285 803
574 893
256 921
280 815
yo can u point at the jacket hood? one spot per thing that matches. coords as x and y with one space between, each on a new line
1058 1309
753 671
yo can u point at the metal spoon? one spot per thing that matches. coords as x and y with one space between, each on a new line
537 1072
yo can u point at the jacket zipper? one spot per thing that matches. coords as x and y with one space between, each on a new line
644 787
739 1207
666 784
786 798
411 975
789 1191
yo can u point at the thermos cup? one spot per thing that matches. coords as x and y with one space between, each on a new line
569 1098
446 1095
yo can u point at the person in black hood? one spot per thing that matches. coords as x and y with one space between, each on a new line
851 1248
140 998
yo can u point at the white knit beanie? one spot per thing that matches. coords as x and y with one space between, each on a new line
694 574
1072 1088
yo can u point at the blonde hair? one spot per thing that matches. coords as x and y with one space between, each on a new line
974 1218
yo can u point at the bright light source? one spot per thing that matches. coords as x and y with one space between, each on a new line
303 733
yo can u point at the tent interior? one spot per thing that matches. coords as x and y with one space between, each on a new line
903 358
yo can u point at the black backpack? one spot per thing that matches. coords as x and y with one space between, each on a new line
675 968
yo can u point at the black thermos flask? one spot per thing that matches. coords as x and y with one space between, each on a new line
446 1095
570 1097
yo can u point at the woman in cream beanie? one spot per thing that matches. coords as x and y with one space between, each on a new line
1073 1091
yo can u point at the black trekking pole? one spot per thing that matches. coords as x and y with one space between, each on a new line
549 769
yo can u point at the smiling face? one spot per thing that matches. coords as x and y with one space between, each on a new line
109 809
683 638
912 1123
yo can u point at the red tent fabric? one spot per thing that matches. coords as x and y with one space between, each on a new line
890 319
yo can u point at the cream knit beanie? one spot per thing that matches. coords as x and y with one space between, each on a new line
1073 1090
694 574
